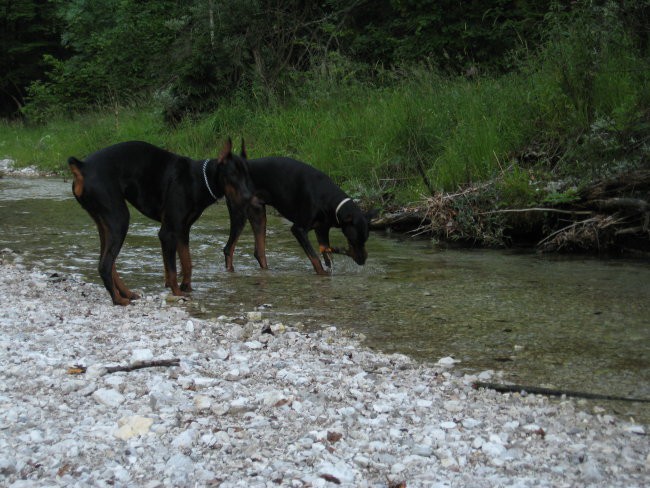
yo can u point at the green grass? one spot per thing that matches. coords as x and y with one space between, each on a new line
391 144
49 146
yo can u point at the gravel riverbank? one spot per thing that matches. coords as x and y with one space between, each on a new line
255 403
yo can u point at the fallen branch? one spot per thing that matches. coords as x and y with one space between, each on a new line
631 230
538 209
614 204
537 390
142 365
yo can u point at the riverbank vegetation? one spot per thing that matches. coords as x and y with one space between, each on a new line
487 125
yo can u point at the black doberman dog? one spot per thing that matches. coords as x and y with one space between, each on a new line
164 186
310 200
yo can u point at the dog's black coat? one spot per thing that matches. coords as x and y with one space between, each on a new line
309 199
165 187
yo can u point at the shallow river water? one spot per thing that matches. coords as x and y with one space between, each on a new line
573 323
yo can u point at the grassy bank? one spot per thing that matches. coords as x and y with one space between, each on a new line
399 141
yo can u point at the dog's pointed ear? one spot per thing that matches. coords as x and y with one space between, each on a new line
226 151
243 149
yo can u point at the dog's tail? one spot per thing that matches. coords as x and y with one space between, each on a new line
76 166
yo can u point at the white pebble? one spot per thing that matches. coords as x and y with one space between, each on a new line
140 355
108 397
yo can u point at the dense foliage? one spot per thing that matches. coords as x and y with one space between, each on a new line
194 52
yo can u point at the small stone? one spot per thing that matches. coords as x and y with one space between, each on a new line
338 473
448 462
132 426
486 375
591 472
108 397
140 355
382 407
179 468
95 371
635 429
271 398
202 402
493 449
185 439
232 374
453 406
254 316
422 450
361 461
221 353
240 405
447 361
7 466
423 403
448 425
470 423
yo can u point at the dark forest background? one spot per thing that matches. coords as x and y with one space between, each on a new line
71 54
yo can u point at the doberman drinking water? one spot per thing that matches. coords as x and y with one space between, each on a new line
171 189
310 200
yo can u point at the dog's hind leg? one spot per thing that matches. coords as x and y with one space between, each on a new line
112 231
257 218
169 245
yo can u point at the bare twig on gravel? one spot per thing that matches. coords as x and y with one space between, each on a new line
143 364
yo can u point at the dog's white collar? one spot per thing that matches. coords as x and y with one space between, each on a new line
205 177
336 212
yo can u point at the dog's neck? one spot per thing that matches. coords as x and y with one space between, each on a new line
205 177
336 212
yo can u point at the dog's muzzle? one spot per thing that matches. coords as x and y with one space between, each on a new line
358 257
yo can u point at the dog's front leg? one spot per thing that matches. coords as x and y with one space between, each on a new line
183 249
324 245
302 237
237 222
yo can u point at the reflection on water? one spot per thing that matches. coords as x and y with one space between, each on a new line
578 323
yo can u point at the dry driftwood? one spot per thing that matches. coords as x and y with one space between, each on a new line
619 212
405 220
609 216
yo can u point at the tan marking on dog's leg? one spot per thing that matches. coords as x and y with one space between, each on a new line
173 284
122 288
186 266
